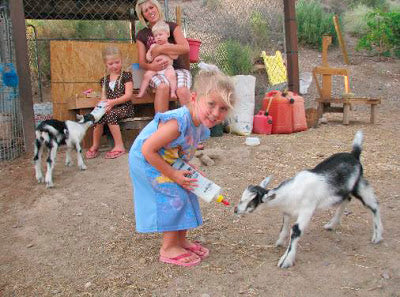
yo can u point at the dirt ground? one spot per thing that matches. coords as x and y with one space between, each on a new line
79 239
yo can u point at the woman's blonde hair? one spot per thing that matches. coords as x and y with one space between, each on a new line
138 9
110 51
207 82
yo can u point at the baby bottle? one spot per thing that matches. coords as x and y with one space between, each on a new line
206 189
99 110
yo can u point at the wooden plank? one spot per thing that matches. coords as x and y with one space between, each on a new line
341 39
330 70
350 100
77 66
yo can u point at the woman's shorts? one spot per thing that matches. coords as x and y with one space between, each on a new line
183 79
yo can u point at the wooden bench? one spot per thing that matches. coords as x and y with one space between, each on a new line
347 100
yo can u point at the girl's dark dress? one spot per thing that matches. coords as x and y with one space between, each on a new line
121 111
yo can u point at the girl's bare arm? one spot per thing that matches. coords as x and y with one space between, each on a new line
164 135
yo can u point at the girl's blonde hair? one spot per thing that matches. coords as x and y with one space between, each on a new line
138 9
110 51
207 82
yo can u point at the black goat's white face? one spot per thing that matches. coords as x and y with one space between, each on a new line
252 197
85 118
248 202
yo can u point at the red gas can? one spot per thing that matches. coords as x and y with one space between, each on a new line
281 112
287 112
299 113
262 124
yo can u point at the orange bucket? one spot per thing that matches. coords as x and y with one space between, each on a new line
194 46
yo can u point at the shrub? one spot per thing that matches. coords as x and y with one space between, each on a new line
355 20
232 58
383 34
369 3
313 22
259 30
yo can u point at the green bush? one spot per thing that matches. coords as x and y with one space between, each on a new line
232 58
313 22
259 30
355 20
369 3
383 34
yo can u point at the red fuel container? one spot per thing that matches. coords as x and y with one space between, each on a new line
281 112
287 112
299 113
262 124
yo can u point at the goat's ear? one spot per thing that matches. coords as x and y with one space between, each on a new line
79 117
265 182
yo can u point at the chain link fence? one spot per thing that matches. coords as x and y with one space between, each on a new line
257 25
11 132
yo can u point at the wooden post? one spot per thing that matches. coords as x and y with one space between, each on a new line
326 89
179 16
22 61
341 39
178 12
326 41
291 45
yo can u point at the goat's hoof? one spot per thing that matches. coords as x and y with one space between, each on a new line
285 264
377 240
49 184
40 180
279 243
83 167
329 227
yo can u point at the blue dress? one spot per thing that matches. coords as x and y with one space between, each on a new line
161 204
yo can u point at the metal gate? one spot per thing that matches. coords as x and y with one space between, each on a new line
11 131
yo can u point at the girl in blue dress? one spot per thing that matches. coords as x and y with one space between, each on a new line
162 198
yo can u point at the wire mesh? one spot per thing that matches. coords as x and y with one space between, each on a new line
11 132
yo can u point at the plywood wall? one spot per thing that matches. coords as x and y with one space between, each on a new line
77 66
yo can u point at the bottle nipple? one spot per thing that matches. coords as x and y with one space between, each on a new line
221 199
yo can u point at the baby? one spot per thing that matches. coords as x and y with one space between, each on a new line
161 33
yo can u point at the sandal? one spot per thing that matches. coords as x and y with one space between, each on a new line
199 250
177 260
91 154
114 154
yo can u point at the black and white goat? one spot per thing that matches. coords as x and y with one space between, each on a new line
52 134
333 182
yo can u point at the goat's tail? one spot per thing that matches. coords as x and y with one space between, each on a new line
357 144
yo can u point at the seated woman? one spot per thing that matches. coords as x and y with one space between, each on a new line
149 13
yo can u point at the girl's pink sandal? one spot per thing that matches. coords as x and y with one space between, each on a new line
199 250
177 260
91 154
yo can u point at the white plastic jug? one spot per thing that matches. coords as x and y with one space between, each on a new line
137 75
206 189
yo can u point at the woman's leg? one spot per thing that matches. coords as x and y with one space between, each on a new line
171 247
162 98
117 136
171 76
183 94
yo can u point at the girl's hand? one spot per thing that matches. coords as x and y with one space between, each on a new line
109 105
182 178
197 169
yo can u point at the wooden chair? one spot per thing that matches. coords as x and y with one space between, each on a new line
347 99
